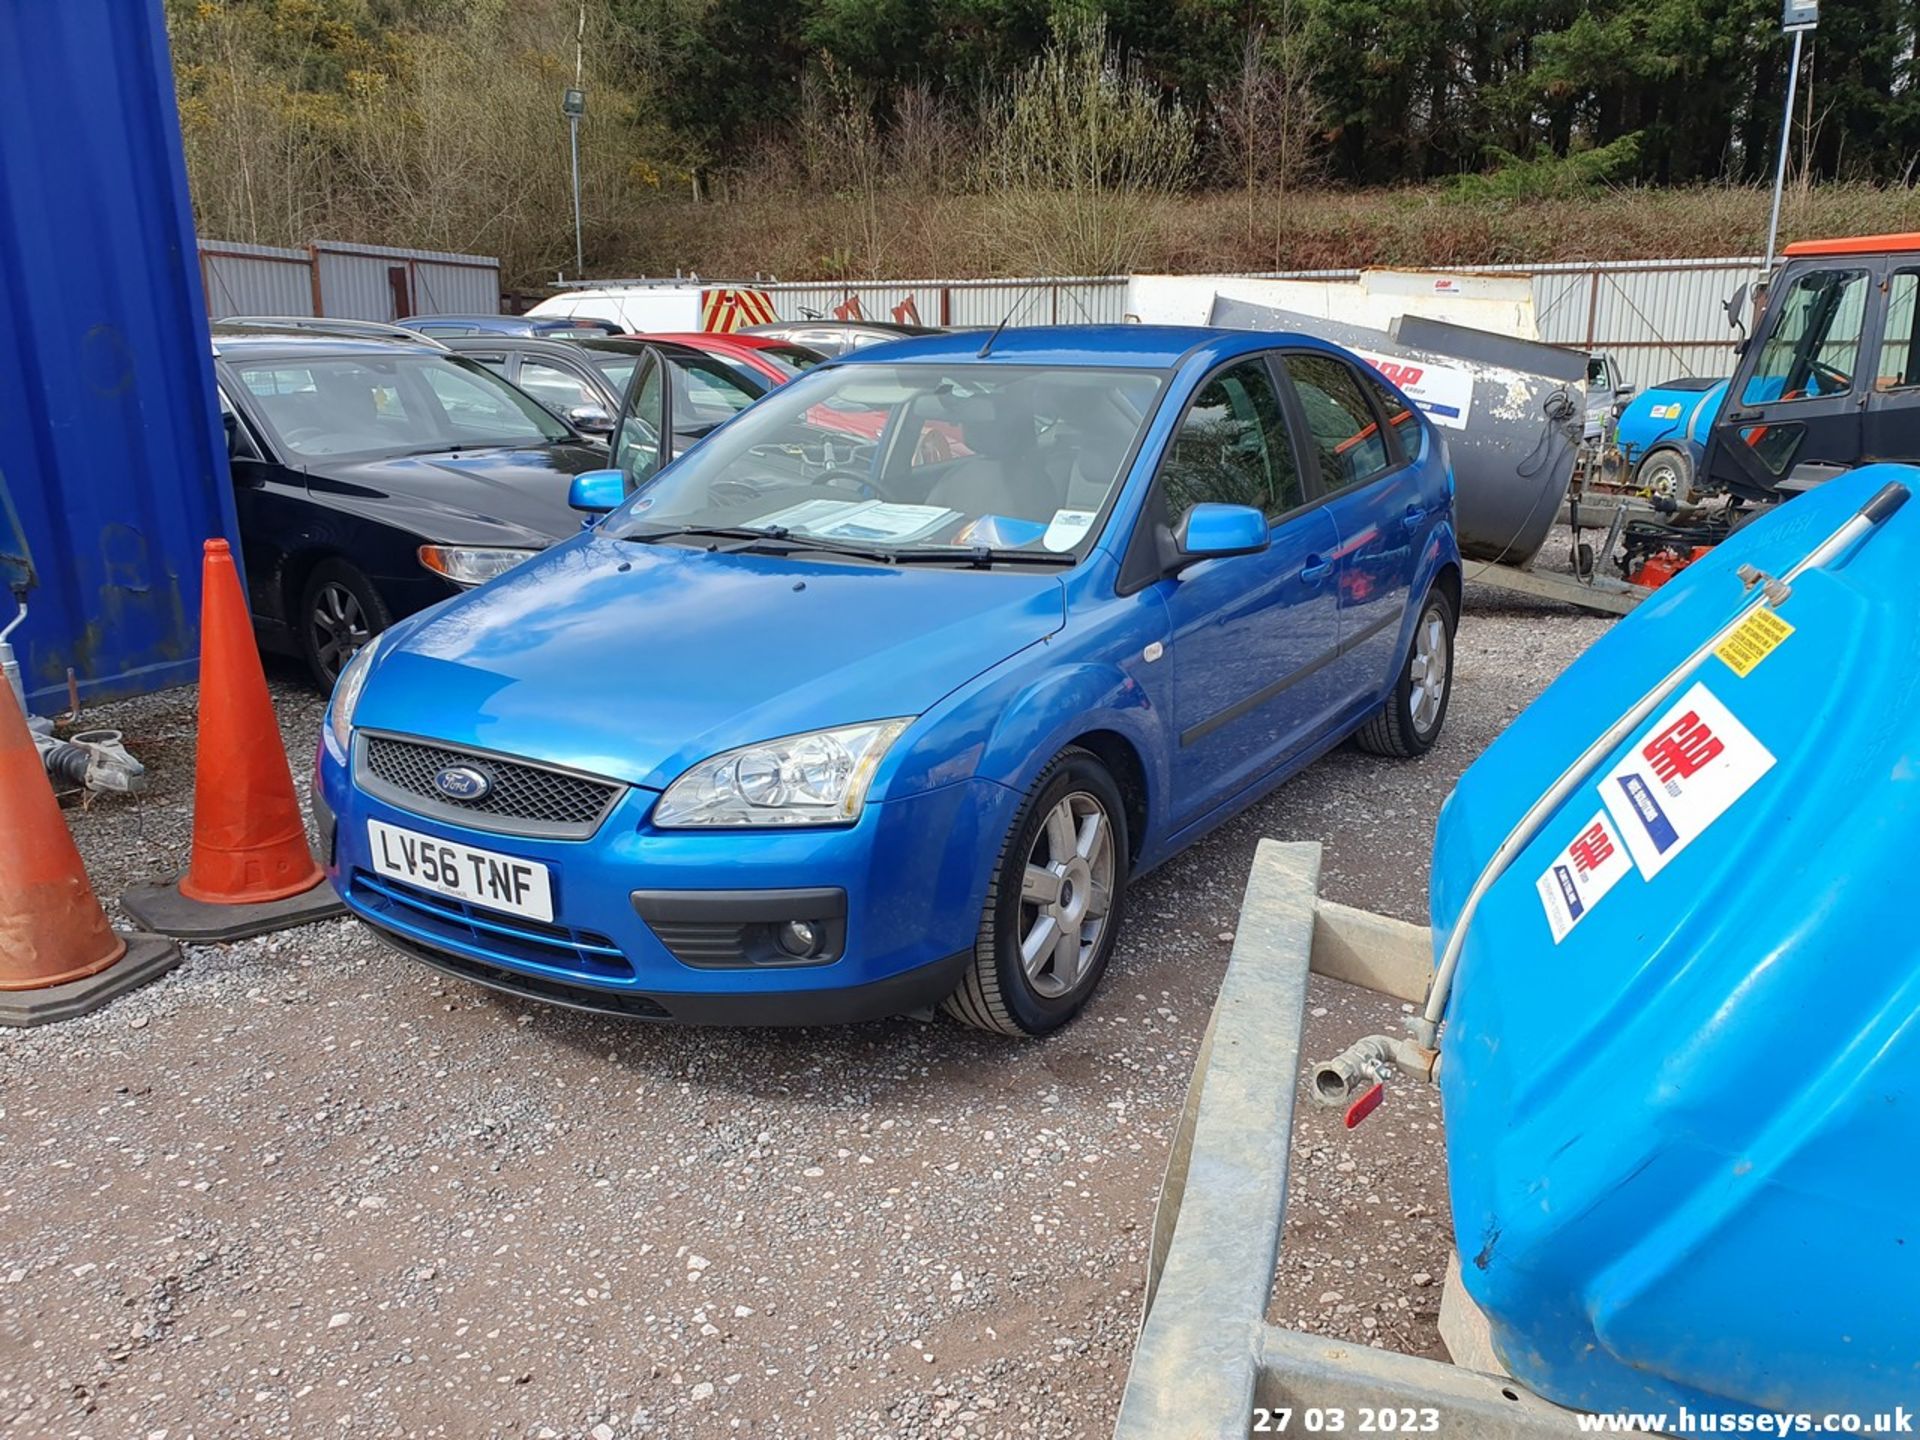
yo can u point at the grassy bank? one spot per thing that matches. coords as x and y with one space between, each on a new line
797 236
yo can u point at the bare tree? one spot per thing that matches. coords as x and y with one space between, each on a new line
1267 121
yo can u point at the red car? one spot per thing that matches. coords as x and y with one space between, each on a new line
766 357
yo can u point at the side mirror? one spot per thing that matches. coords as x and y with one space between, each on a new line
590 420
1212 531
1736 307
597 491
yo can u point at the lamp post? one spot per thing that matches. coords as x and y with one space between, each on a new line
1797 17
575 104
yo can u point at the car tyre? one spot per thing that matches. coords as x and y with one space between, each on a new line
1411 720
1053 904
339 612
1667 473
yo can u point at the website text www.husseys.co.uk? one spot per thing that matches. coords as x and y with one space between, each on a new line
1898 1421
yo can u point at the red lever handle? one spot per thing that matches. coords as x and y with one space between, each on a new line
1366 1104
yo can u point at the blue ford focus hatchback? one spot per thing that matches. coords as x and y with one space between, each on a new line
878 698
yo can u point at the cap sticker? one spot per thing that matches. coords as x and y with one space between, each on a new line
1593 861
1680 777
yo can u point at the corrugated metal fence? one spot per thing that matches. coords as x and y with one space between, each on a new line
351 282
1056 300
1659 318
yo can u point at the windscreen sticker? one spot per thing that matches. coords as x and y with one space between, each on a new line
1681 777
1757 637
1066 529
1581 874
858 520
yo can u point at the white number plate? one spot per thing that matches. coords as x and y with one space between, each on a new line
480 877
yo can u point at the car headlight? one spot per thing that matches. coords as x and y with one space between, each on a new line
819 778
470 564
346 695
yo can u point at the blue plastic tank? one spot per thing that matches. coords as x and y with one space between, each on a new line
1682 1054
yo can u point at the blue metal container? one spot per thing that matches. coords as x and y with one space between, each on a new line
1682 1058
109 437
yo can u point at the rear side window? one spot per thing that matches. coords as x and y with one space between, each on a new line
1400 427
1346 435
1899 355
1233 448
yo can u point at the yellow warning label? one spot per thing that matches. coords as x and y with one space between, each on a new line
1758 636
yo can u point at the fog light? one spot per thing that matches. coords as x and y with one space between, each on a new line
799 939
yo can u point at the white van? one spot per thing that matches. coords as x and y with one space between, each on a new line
656 307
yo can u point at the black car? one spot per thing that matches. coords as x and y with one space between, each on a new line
375 477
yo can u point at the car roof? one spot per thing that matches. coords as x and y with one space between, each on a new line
237 340
1144 347
1899 244
541 344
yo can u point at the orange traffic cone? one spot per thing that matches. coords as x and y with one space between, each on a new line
58 955
251 870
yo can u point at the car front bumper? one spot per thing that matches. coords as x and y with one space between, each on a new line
678 925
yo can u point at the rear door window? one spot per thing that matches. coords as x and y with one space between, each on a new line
1345 432
1899 354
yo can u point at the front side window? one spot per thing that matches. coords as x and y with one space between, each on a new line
939 456
1813 347
1345 433
559 390
1232 447
391 405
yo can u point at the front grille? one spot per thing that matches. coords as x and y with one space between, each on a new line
509 937
523 799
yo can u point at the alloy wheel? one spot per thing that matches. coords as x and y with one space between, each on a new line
339 627
1066 894
1428 671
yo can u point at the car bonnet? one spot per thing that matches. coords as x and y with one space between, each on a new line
637 660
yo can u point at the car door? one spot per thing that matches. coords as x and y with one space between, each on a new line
566 388
1797 397
1378 510
269 499
1892 419
640 445
1250 634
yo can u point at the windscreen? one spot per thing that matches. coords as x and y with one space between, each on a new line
380 405
959 455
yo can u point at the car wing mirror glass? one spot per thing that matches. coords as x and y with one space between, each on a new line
1211 531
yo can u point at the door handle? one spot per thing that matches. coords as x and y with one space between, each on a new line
1315 570
1413 517
1737 415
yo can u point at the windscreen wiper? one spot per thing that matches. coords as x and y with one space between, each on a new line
777 538
708 532
979 557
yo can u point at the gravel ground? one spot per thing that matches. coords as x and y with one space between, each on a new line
302 1186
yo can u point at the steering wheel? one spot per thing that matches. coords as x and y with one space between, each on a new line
304 432
1839 380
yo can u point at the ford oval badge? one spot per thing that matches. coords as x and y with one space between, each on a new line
462 782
